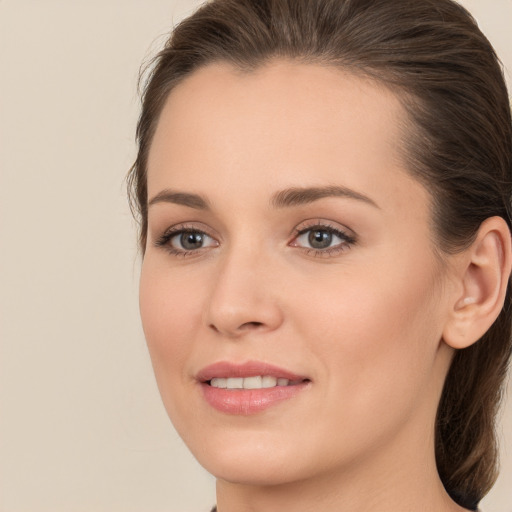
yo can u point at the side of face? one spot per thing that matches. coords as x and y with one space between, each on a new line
340 286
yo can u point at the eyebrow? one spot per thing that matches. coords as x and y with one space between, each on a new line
294 196
195 201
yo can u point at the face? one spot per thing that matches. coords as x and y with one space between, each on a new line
290 296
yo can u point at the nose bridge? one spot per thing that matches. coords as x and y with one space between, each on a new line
243 295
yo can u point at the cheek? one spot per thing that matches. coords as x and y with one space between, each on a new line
171 312
375 333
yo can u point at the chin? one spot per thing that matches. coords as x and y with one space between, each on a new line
248 458
263 470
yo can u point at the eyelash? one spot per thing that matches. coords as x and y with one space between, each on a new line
165 239
347 240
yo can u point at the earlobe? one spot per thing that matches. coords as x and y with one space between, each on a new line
484 275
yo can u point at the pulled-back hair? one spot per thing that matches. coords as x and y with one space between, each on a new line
459 145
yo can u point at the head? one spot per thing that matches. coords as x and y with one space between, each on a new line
442 84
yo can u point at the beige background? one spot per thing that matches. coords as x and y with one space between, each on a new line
82 428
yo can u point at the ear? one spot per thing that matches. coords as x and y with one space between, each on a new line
483 276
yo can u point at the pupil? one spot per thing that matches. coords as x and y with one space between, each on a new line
320 239
191 240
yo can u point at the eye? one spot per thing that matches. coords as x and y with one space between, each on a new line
189 240
318 238
183 241
323 239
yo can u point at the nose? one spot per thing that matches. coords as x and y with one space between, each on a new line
243 297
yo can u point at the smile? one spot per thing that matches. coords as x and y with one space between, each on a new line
249 388
255 382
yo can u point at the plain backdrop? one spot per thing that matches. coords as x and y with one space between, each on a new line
82 428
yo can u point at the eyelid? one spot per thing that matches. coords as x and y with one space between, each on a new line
328 225
189 226
346 235
164 240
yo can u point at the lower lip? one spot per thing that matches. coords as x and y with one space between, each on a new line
249 401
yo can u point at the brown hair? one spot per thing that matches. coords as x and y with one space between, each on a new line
449 79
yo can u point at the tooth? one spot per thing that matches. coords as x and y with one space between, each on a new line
235 383
252 382
268 381
218 382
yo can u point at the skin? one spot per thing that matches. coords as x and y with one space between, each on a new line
364 322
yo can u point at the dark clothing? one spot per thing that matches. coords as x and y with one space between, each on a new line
475 508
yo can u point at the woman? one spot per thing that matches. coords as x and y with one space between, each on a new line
324 196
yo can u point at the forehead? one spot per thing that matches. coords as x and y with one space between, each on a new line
284 124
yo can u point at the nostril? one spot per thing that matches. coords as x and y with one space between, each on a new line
246 325
240 329
251 325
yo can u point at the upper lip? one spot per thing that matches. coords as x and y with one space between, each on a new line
228 369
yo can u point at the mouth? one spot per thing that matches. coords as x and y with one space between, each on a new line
248 375
253 382
249 388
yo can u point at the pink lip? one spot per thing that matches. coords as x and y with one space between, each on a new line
248 401
249 369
